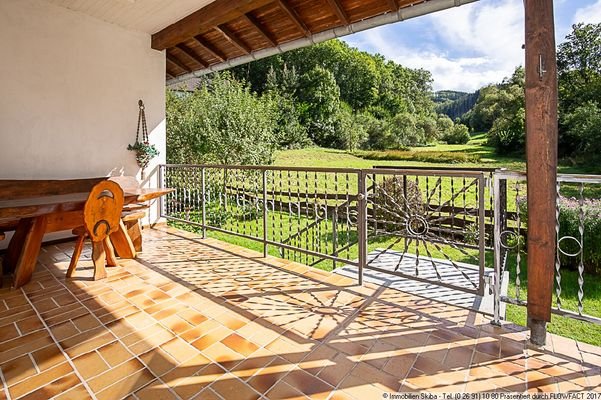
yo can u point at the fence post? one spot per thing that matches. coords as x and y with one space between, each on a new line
204 202
362 224
497 250
265 214
482 232
335 235
162 186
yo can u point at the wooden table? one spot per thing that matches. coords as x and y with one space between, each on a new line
32 217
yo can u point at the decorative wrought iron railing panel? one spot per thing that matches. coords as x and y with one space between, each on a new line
577 200
432 221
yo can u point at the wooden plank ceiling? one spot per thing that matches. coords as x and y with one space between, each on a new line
226 29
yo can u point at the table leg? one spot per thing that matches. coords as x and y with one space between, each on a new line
122 242
30 251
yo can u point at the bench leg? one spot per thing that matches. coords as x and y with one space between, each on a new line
135 234
29 252
15 246
122 243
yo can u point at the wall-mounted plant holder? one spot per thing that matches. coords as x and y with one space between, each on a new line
144 150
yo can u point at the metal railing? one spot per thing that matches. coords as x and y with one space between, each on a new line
330 217
577 198
309 214
429 225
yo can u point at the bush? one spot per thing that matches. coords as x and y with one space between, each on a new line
458 134
506 141
390 197
446 157
569 224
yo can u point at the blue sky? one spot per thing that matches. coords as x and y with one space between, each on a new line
469 46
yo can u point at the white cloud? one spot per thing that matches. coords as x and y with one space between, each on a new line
482 44
589 15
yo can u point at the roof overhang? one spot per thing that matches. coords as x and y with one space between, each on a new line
227 33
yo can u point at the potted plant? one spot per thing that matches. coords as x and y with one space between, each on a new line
144 150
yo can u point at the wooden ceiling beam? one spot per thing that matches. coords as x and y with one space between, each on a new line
252 21
216 13
293 17
233 39
393 5
339 11
209 48
190 54
171 58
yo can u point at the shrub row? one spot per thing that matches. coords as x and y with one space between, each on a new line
446 157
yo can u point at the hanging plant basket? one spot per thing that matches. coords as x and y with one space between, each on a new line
144 150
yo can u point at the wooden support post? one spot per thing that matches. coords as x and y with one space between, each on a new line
541 156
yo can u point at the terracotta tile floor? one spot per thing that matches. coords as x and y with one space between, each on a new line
207 320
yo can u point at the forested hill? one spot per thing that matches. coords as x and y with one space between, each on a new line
454 104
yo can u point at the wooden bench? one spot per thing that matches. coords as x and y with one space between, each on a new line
132 213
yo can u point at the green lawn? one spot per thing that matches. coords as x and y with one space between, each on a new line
282 224
319 157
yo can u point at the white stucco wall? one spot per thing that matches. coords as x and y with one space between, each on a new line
69 88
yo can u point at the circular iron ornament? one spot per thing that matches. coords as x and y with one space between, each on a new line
504 239
221 270
322 212
352 218
294 207
243 279
565 253
417 225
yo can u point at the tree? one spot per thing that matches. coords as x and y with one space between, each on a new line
405 131
320 96
501 110
221 121
583 127
350 132
444 124
579 70
282 88
458 134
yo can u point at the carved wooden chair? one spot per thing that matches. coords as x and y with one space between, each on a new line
102 215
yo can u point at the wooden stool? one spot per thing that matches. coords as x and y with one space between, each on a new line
102 216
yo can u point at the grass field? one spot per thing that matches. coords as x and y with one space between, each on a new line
319 157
